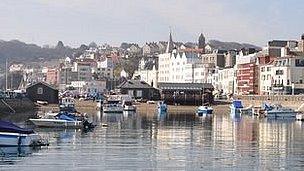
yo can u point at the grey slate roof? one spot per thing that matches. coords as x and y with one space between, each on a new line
184 86
44 83
134 84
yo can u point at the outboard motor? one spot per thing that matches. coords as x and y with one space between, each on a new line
87 125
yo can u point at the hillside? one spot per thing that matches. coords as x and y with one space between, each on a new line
230 45
19 51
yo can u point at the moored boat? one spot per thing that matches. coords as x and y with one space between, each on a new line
162 107
67 104
13 135
235 108
279 112
204 110
58 120
113 105
127 103
300 117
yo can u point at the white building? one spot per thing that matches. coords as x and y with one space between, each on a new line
147 71
213 78
175 66
124 74
226 79
288 75
265 77
105 68
201 72
16 68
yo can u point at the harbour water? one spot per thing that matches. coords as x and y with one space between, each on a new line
149 141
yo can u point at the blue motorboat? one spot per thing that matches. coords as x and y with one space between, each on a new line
13 135
235 108
204 110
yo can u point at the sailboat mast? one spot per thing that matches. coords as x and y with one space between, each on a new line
6 74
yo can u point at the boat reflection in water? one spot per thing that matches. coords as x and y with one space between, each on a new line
172 141
10 155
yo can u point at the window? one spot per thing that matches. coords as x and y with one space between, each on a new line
268 68
40 90
299 62
130 93
262 69
139 93
279 72
301 81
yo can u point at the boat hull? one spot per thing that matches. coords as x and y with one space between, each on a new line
235 112
281 114
300 117
15 139
129 108
57 123
203 110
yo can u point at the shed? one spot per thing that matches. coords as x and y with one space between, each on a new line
43 92
139 90
186 93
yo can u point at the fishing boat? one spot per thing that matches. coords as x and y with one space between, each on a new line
58 120
67 104
162 107
204 110
113 105
280 112
13 135
235 108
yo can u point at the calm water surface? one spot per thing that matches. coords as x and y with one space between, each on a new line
166 142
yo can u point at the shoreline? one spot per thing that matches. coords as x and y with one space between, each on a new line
90 107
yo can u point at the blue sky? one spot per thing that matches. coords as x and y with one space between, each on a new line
115 21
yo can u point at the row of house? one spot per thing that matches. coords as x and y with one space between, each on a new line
276 69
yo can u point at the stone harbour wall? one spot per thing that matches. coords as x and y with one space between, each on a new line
292 101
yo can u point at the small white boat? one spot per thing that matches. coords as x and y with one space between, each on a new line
279 112
162 107
42 102
300 117
67 104
113 106
13 135
57 121
127 103
204 110
129 107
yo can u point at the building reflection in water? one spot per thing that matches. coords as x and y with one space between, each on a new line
175 141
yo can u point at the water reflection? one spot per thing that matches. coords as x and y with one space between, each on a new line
10 155
154 141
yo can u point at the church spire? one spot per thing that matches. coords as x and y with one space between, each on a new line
201 41
170 44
